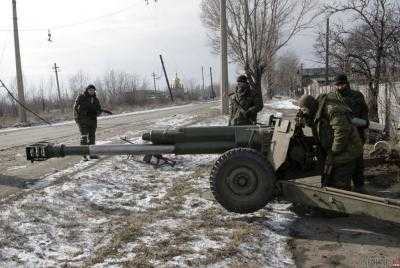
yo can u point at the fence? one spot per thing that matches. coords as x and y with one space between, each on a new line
388 101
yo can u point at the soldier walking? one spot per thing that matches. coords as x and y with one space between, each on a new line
86 109
339 141
243 107
356 101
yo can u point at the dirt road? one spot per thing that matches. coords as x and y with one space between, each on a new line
16 173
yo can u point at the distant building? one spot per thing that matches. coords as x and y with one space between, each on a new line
317 75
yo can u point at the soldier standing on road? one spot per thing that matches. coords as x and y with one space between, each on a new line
339 141
243 107
86 109
355 100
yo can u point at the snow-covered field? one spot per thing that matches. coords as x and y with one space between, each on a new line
120 212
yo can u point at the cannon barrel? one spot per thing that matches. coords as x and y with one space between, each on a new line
212 140
234 134
44 151
205 140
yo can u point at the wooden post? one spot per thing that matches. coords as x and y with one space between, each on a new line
166 78
154 81
211 84
224 58
202 77
58 86
20 82
327 52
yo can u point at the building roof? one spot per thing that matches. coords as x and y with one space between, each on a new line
318 72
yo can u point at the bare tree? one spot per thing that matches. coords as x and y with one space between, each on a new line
257 30
363 46
78 82
286 74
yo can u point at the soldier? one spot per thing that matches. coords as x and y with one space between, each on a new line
339 142
86 109
243 104
355 100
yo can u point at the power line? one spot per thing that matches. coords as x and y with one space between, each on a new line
76 23
22 105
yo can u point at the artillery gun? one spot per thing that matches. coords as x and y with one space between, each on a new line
257 163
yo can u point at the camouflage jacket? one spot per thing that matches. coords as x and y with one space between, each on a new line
334 131
243 107
356 101
86 108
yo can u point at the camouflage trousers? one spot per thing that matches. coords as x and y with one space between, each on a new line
358 178
88 132
340 176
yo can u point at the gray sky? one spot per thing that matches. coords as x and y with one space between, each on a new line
129 40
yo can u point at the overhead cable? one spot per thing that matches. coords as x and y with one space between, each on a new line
22 105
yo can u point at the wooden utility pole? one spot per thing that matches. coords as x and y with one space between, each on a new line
20 83
202 77
224 58
154 81
166 78
327 52
58 84
211 84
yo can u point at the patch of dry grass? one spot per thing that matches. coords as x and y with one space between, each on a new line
128 230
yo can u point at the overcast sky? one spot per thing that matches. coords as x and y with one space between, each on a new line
129 36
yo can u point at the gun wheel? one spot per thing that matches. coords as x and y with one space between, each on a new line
242 180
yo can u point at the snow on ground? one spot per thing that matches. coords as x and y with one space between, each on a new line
282 103
109 117
120 212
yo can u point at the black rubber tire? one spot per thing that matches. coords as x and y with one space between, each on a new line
242 180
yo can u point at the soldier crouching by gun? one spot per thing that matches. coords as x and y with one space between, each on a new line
243 106
339 142
86 110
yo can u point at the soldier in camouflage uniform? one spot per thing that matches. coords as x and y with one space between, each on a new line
243 107
339 141
355 100
86 109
